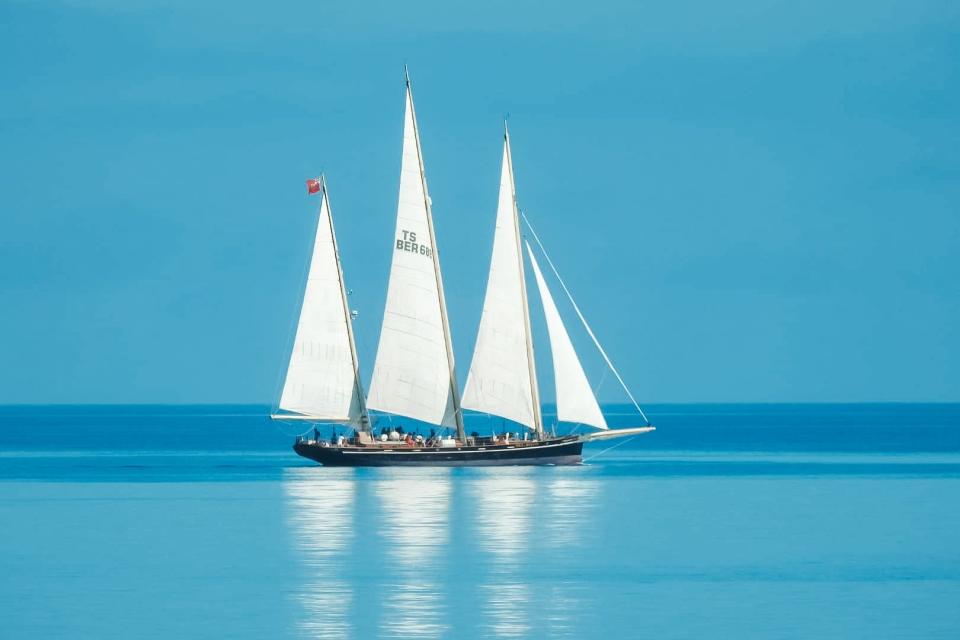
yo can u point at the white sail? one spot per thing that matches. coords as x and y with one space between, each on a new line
499 381
321 378
413 370
575 399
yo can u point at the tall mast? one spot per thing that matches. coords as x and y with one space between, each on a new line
534 388
455 394
348 317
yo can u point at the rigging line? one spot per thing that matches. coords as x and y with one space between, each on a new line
603 378
582 319
279 425
625 440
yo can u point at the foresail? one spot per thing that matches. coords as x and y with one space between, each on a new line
321 377
499 380
412 373
576 401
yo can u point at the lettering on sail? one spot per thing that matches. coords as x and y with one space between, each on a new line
409 243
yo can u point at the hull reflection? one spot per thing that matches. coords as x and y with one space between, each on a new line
383 556
321 520
415 505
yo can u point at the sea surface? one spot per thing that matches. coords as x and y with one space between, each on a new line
730 521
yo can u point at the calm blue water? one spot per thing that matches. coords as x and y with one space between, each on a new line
750 521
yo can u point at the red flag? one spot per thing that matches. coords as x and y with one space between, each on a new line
313 185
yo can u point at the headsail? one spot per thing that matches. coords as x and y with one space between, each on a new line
576 401
502 378
321 379
413 375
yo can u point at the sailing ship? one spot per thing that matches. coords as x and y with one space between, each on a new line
414 374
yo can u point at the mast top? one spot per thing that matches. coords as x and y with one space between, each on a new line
406 75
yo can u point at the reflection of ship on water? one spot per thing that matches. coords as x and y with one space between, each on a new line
321 520
568 528
504 499
396 528
414 529
570 500
517 519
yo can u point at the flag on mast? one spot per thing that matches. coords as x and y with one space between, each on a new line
313 186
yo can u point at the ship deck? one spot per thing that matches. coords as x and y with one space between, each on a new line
564 450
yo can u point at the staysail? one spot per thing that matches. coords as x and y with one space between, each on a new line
502 378
322 380
413 375
576 401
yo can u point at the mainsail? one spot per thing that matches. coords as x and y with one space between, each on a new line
576 401
413 374
322 380
502 378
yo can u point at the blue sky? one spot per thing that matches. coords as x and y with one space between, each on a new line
752 201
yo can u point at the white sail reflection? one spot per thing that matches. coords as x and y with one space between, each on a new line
504 499
320 507
570 502
564 608
568 530
415 530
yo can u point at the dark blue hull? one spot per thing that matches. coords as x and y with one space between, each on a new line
558 451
